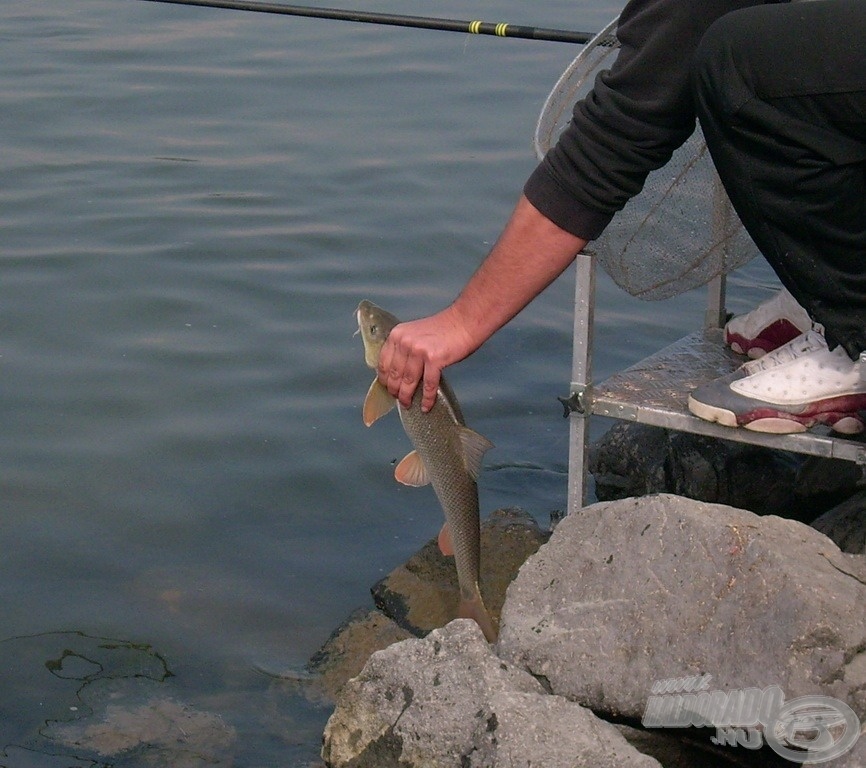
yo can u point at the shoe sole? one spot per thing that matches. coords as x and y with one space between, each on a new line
769 421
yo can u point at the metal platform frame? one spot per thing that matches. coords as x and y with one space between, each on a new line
655 390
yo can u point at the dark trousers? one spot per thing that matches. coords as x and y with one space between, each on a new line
780 91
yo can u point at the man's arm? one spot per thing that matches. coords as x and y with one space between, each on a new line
529 255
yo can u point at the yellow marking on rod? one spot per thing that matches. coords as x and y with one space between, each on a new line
501 30
475 27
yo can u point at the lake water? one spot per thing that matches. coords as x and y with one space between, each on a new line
193 203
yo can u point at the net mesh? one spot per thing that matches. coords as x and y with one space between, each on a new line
680 232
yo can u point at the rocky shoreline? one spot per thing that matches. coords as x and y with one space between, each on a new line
700 567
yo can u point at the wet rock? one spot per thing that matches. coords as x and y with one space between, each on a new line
422 593
631 592
346 651
629 460
448 701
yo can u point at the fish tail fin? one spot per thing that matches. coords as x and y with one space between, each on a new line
473 608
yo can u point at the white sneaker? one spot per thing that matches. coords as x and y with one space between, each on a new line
798 385
768 326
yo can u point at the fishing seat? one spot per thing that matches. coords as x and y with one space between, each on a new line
655 390
679 233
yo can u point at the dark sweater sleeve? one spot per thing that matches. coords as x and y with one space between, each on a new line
631 122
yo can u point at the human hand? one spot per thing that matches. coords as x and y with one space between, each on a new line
416 352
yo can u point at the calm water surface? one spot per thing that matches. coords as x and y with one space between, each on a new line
193 203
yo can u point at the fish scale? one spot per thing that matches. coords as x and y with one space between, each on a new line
438 444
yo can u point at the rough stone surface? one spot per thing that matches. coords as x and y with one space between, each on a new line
828 480
550 731
855 758
631 592
422 593
448 701
624 595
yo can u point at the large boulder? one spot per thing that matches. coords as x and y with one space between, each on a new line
447 701
661 612
632 592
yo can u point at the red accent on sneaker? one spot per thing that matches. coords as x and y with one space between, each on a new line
827 412
772 337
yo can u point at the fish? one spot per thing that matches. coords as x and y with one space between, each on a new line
447 454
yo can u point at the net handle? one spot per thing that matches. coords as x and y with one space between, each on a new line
561 97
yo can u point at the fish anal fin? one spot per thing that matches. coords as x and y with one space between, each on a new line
411 471
377 403
474 448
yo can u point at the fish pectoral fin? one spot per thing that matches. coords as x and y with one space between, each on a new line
377 403
411 471
474 448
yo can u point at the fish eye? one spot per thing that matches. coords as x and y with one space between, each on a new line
374 328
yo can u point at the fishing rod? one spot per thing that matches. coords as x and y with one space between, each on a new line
419 22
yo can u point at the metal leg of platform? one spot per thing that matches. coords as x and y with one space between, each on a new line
578 403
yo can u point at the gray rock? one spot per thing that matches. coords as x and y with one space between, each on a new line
416 597
448 701
855 758
553 732
632 592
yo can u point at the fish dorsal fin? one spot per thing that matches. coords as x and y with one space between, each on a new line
377 403
474 448
411 471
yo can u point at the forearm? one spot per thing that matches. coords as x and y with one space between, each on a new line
531 253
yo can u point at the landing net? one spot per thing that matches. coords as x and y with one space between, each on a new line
680 232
